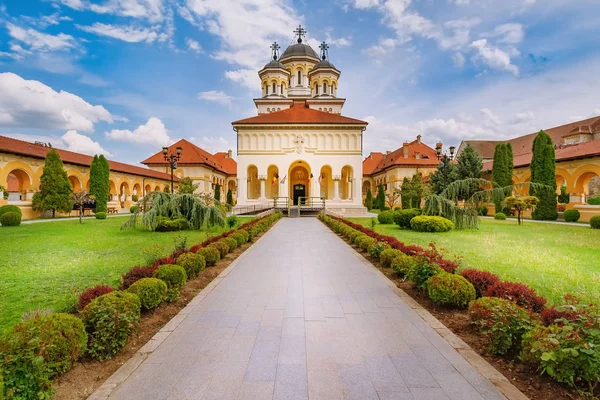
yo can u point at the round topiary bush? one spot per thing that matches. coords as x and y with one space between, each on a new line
427 223
193 263
133 209
211 254
109 320
386 256
244 233
100 215
500 216
359 239
366 243
354 234
482 210
151 292
420 273
376 249
34 351
595 222
481 280
10 208
402 218
90 294
10 219
239 238
231 242
450 290
386 217
174 276
571 215
222 247
403 263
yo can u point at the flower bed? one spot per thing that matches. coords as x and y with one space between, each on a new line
562 343
111 317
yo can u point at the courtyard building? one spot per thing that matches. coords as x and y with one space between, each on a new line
299 148
22 164
577 149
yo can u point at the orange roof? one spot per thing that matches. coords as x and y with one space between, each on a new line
227 162
190 154
299 113
378 162
15 146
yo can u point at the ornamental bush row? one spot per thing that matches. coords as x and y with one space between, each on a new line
44 346
562 342
411 218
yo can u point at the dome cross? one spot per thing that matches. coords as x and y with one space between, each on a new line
300 32
275 47
324 50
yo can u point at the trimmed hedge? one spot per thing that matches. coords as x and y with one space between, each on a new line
388 255
135 274
521 294
192 263
427 223
386 217
420 273
595 222
450 290
222 247
482 210
378 248
109 320
571 215
165 224
174 276
402 264
402 218
133 209
594 201
481 280
211 254
10 219
500 216
90 294
151 292
100 215
10 208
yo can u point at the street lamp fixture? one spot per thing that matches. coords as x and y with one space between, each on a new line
172 160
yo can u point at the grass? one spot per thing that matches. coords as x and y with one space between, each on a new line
46 265
553 259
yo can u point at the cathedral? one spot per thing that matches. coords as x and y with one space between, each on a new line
299 146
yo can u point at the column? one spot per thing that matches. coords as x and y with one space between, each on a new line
242 190
358 191
350 188
263 179
336 187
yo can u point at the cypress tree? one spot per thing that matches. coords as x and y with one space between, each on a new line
55 187
543 171
229 197
218 192
380 201
99 182
502 169
369 199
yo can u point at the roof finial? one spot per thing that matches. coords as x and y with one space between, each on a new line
324 50
300 32
275 47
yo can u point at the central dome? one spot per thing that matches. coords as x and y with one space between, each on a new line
299 49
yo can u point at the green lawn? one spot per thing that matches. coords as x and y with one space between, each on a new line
44 265
553 259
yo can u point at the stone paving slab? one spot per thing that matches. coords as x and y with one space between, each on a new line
300 315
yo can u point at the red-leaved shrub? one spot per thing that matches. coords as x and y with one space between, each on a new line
90 294
521 294
177 253
551 315
481 280
135 274
162 261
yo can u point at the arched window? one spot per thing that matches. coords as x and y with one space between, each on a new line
299 78
324 87
274 88
317 87
282 89
332 89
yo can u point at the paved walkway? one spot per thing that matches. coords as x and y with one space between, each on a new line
302 316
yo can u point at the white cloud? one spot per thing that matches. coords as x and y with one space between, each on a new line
29 103
365 3
247 77
82 144
213 144
458 59
461 2
38 41
507 33
151 10
490 117
337 42
74 4
216 96
153 132
193 45
128 34
461 29
493 57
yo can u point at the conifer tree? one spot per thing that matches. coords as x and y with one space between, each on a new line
380 201
443 176
543 171
218 192
55 187
502 169
187 186
99 182
469 166
369 199
229 198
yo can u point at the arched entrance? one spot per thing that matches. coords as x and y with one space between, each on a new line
75 183
346 183
272 188
299 180
253 182
326 182
18 182
587 185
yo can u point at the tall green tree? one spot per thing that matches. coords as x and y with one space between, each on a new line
380 200
443 176
229 198
187 186
55 187
469 166
412 191
369 199
502 169
99 182
543 171
218 192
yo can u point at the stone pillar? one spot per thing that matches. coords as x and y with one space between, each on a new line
263 179
336 187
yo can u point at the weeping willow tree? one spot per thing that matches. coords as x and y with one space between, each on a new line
194 209
446 203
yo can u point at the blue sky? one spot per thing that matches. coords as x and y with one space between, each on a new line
125 77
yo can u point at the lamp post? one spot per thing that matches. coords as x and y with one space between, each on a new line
172 160
442 156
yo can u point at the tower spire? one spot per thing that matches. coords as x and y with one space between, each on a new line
300 32
324 50
275 48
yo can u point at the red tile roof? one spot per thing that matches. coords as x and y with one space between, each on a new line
20 147
227 162
427 157
190 154
300 113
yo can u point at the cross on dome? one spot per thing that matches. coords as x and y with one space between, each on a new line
275 47
300 32
324 50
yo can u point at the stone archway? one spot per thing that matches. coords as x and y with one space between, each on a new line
326 182
75 183
300 178
18 182
272 184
